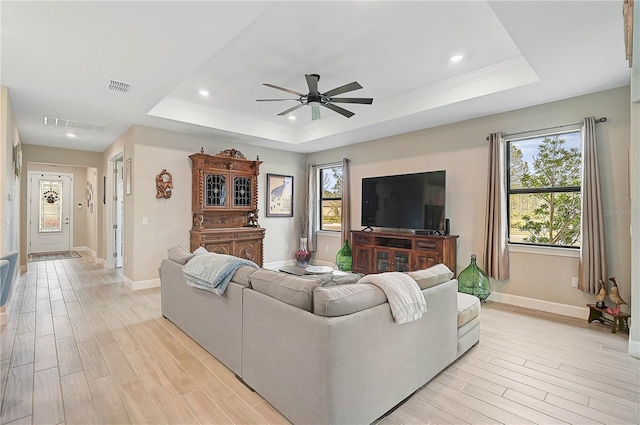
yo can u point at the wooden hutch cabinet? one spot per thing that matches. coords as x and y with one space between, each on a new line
224 204
377 252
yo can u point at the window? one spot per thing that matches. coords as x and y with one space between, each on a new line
330 179
543 185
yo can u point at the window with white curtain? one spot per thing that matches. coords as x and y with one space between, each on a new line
544 174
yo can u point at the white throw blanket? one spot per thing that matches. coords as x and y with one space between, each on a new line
212 272
403 293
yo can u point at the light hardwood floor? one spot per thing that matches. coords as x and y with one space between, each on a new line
79 348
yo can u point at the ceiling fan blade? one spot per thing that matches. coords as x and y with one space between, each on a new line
312 82
338 109
361 100
273 100
291 109
315 112
343 89
283 89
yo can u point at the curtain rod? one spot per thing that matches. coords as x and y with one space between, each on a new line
330 163
603 119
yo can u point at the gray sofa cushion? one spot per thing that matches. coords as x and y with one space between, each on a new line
432 276
242 276
290 289
179 254
341 300
468 308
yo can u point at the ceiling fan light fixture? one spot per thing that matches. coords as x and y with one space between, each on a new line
315 98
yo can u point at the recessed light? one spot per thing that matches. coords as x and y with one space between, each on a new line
292 117
70 135
456 58
204 93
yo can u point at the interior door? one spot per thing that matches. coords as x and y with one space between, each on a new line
50 208
119 212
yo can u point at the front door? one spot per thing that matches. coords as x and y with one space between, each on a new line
50 208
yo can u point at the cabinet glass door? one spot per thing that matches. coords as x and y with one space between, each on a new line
401 261
382 261
241 191
215 190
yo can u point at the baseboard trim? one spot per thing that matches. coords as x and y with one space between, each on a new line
634 348
141 284
101 261
4 318
547 306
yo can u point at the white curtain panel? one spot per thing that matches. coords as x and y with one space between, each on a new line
496 253
345 231
593 253
311 207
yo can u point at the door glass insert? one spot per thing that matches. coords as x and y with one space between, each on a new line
216 190
50 206
241 191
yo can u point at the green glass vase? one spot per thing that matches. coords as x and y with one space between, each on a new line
344 257
474 281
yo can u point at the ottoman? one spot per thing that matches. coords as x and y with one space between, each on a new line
468 322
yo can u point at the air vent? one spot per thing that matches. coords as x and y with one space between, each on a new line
119 86
61 122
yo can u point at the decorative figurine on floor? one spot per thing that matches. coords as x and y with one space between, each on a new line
615 297
602 294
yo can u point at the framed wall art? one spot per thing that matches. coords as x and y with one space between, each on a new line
279 195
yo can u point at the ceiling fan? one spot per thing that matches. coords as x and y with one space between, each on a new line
317 99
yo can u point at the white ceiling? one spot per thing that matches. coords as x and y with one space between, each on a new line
57 58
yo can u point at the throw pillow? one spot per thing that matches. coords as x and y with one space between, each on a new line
200 250
179 254
432 276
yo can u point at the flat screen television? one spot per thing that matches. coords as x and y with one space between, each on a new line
406 201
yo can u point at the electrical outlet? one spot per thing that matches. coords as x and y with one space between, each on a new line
286 247
574 282
326 248
145 220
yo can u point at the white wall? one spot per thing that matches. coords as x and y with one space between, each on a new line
462 150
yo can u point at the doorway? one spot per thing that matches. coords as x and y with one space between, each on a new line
49 212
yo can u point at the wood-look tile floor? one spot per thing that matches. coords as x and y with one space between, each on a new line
79 348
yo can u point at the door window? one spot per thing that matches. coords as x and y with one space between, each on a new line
50 206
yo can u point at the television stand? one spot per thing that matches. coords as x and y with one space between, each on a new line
377 252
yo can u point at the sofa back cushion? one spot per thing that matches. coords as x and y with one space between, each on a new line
340 300
179 254
242 275
432 276
289 289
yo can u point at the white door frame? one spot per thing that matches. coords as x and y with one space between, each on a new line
110 209
30 176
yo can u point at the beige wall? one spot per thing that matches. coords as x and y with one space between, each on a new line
169 220
9 182
634 334
462 150
80 160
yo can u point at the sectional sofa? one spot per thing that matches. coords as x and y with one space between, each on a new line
320 354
